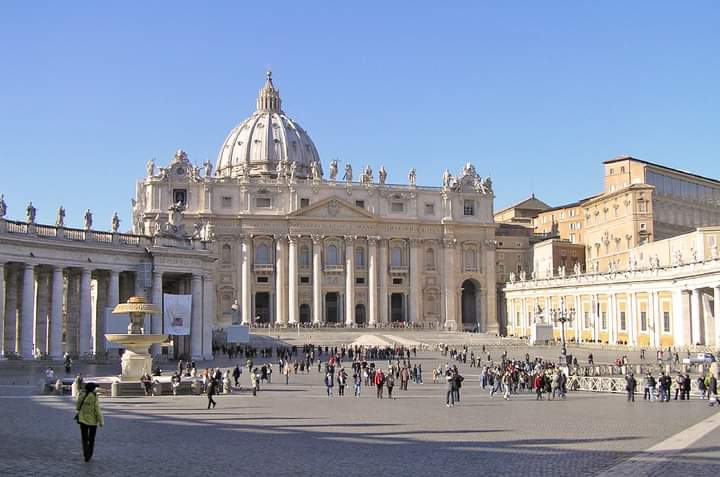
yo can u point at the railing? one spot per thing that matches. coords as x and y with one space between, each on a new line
263 267
74 234
105 237
398 268
334 268
613 385
16 227
46 231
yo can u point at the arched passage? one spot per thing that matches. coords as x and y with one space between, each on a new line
470 304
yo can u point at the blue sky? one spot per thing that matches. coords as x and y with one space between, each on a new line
535 94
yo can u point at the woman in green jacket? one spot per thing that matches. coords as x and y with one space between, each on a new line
89 417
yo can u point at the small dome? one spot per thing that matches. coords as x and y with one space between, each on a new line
267 137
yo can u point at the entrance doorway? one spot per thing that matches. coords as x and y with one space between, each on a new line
359 314
262 308
331 307
469 305
305 313
397 307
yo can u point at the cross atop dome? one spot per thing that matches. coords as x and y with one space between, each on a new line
269 97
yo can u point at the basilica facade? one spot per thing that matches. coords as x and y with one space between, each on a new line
297 245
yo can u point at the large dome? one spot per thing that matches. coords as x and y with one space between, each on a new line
267 137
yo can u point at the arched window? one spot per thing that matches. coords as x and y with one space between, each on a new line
429 259
360 258
225 254
332 255
470 260
304 256
396 257
262 254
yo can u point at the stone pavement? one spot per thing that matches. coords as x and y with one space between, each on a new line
295 429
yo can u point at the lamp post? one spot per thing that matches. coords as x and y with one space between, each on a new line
562 315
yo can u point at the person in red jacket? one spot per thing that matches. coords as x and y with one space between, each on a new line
379 381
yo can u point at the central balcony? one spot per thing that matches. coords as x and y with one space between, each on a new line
263 267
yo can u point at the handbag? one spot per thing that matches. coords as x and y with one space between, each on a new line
77 414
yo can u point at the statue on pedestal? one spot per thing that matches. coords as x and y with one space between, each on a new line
382 175
245 171
208 168
30 212
293 167
60 217
412 177
88 219
115 223
333 169
150 167
446 178
315 171
348 173
3 206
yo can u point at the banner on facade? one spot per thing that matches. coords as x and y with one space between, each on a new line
177 310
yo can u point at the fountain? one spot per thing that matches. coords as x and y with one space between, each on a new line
136 360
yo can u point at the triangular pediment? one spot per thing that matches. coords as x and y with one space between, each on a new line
333 208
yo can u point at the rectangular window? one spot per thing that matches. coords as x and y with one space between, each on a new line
623 322
517 319
643 321
397 281
469 207
226 202
588 321
304 203
666 322
603 320
180 195
262 279
359 280
429 209
397 207
360 203
304 280
263 202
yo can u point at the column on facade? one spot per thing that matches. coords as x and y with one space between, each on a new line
42 307
246 294
695 317
416 285
280 290
579 318
317 279
383 281
595 314
55 347
349 280
716 315
209 298
27 317
293 307
157 300
634 320
113 299
449 284
678 318
372 281
657 319
196 321
2 310
612 316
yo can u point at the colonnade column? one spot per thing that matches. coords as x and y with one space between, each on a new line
73 308
448 284
695 317
612 316
579 318
157 300
208 315
415 283
372 282
292 281
27 318
280 307
679 305
85 344
716 314
246 281
349 281
2 311
42 305
317 279
55 349
383 279
658 320
196 321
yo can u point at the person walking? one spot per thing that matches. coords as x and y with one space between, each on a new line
390 383
254 382
357 382
450 389
712 391
630 385
236 375
89 416
211 390
329 383
379 381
